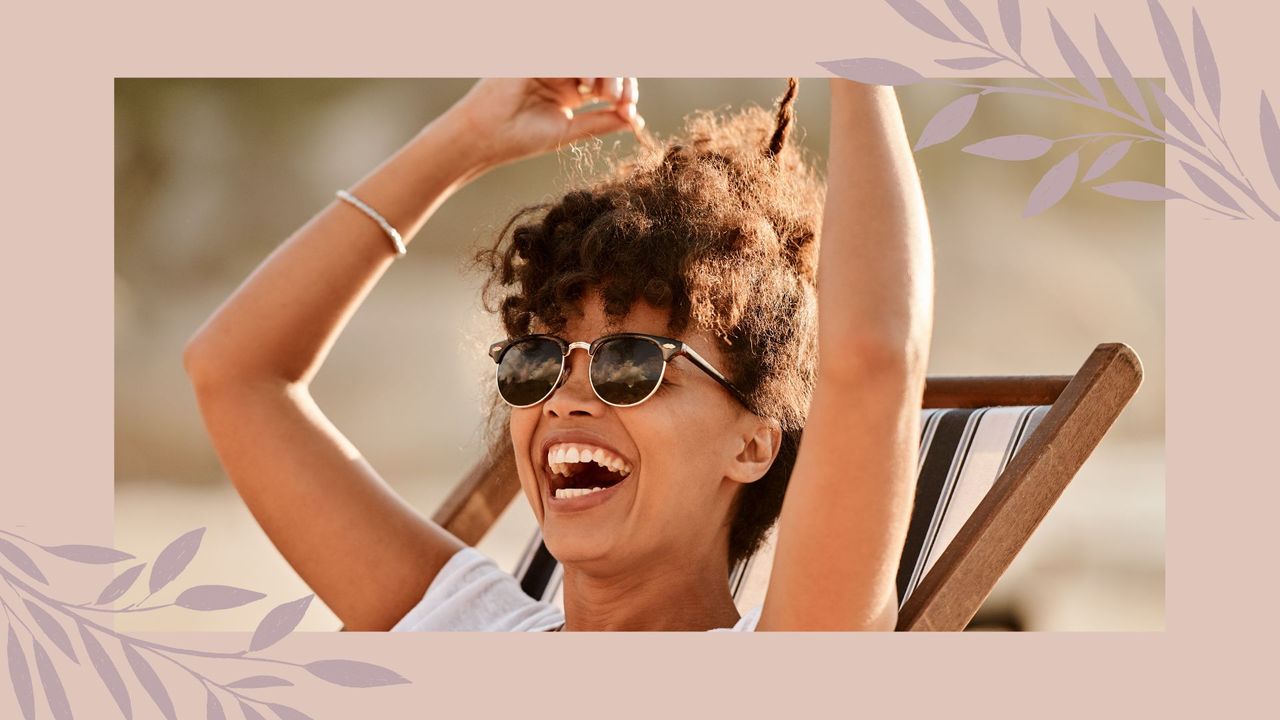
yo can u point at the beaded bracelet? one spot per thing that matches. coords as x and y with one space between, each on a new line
386 226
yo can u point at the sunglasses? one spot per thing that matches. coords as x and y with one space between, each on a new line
626 368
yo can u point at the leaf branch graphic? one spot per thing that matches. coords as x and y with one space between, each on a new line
42 627
1206 170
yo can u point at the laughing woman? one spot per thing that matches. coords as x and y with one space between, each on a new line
712 330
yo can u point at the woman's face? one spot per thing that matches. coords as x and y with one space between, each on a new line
688 449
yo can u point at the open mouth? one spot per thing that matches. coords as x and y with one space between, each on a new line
576 469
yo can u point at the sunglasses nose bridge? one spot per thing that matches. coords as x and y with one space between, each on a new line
565 370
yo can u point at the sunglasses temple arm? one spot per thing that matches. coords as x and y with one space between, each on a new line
715 374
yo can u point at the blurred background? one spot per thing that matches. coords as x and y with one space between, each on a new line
212 174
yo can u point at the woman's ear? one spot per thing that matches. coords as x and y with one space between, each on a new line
758 446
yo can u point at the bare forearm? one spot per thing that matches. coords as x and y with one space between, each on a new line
876 267
849 500
280 323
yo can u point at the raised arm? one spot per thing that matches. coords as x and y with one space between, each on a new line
848 504
363 550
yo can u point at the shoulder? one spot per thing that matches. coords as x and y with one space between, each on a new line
471 593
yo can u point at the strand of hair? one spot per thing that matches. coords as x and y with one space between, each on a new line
786 114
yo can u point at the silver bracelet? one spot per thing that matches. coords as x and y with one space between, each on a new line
386 226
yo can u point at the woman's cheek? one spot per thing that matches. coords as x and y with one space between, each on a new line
523 423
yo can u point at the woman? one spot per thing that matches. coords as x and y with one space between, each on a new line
655 463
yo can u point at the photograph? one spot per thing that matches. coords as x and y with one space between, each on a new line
853 357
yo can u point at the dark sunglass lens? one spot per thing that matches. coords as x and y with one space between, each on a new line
528 371
625 371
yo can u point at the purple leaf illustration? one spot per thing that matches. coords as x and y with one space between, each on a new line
873 71
21 560
215 597
1174 116
949 121
91 554
53 690
1172 50
1270 137
1079 66
1120 73
1107 159
1011 147
150 682
174 559
259 681
352 673
967 63
249 712
52 629
20 676
1136 190
213 708
967 20
284 712
1054 185
107 671
918 15
1011 21
1211 189
278 623
1206 65
120 585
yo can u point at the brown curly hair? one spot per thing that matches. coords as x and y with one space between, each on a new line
719 226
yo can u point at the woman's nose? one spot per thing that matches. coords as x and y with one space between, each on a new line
574 396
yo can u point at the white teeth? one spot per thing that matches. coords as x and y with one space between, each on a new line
560 457
564 493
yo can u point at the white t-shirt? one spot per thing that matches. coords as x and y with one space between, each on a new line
471 593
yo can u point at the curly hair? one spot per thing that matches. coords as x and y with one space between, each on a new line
718 225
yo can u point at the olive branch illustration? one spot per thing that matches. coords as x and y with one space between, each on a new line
43 627
1203 162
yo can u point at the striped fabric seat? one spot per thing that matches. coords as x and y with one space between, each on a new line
962 452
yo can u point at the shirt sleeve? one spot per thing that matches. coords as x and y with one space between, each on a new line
471 593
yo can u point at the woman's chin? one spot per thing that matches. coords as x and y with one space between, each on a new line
573 548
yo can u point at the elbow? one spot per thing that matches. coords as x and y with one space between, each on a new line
205 370
194 362
211 373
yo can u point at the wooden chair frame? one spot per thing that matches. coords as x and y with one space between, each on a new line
1083 408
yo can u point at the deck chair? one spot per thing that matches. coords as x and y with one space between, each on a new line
996 452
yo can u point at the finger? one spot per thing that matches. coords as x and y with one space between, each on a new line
627 103
630 91
595 122
611 89
629 113
587 87
562 91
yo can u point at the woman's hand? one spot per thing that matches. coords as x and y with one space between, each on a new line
515 118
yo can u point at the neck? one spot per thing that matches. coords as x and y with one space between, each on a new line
681 595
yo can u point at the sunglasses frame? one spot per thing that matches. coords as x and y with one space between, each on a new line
670 348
